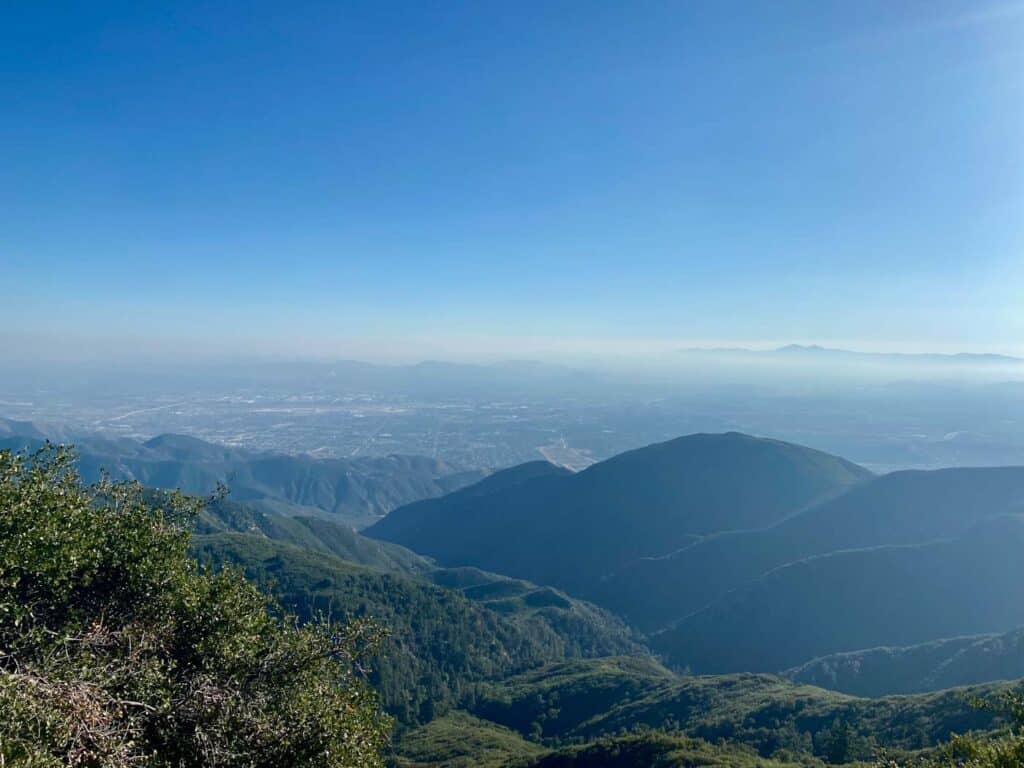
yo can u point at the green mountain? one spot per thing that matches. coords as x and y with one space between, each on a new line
848 600
925 667
311 533
752 582
355 491
625 712
571 530
583 700
459 740
443 640
536 680
585 629
657 749
901 508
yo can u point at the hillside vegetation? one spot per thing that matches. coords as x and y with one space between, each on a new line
656 749
116 649
315 534
590 699
459 740
441 641
112 640
581 710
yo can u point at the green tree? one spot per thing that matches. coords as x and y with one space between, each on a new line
117 649
837 742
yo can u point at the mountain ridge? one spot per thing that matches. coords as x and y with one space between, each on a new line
648 501
931 666
887 595
905 507
812 351
356 491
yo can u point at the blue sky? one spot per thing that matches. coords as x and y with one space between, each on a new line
506 179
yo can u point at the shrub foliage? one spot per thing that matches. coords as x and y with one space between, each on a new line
117 649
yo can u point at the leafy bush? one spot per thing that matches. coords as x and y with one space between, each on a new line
117 649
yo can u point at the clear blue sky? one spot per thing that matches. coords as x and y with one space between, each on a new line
500 178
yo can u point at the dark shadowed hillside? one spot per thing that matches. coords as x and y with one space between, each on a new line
570 530
901 508
897 595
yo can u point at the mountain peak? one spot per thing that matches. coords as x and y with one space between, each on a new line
645 502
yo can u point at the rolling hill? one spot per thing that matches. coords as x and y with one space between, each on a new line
355 491
442 639
314 534
582 700
569 530
584 629
459 740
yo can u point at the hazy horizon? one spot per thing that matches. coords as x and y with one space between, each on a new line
70 349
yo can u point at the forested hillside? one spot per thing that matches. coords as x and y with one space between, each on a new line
591 700
220 515
441 641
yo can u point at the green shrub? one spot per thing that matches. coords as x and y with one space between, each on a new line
117 649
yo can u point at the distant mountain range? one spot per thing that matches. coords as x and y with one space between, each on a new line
813 353
354 491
